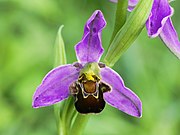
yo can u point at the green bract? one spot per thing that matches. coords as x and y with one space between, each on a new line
129 32
60 54
121 15
65 111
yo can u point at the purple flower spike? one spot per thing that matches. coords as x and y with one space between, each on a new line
159 24
89 82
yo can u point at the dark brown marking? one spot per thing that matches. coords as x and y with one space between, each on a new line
89 95
89 104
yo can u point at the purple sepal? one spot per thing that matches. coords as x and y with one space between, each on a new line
55 86
170 37
90 49
160 12
120 97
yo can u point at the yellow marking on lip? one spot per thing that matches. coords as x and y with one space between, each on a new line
89 76
90 72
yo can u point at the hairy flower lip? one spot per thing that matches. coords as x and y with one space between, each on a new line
55 85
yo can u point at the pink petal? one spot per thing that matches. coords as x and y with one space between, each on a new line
120 97
89 49
55 86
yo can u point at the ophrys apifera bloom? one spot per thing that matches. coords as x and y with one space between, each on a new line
91 83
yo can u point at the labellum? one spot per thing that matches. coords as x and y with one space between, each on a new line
88 92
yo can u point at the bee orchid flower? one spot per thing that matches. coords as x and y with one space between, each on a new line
160 24
91 83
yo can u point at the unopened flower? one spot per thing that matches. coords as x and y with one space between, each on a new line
90 82
131 4
160 24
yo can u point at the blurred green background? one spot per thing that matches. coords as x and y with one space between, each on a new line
27 34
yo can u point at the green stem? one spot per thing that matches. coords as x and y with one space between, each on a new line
62 128
65 112
71 113
60 122
56 112
79 124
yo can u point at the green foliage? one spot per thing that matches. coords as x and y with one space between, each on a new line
129 31
27 33
60 53
121 15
